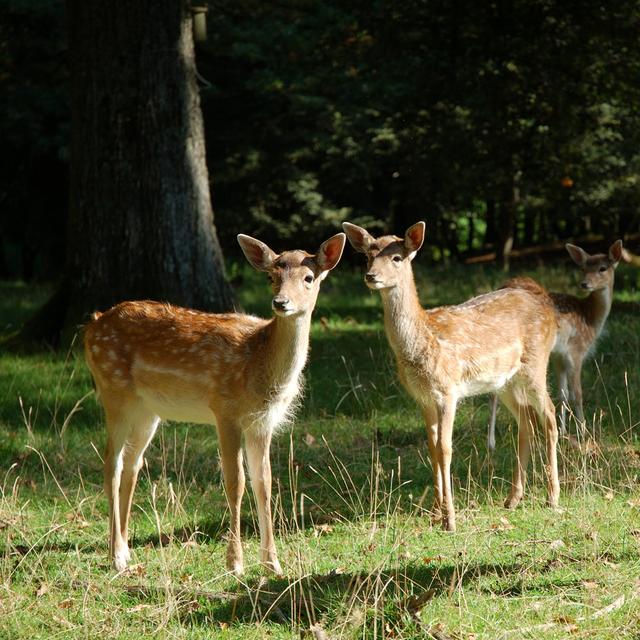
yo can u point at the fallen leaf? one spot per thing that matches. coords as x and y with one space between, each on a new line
43 588
634 503
65 604
309 440
557 544
139 607
608 496
589 584
192 605
135 570
503 525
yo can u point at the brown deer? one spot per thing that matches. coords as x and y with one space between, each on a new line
497 342
580 321
153 361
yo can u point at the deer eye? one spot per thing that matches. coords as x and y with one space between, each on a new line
603 269
397 258
269 278
308 279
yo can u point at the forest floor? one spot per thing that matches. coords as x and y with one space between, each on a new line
360 557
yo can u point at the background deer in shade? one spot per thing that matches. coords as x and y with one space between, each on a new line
153 361
580 323
498 342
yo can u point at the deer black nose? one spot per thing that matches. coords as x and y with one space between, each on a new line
370 277
584 284
280 302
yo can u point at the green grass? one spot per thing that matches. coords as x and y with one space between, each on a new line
360 556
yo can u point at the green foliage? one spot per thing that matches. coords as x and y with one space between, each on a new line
424 110
485 119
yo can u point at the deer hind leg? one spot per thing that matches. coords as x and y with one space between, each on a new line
575 390
125 421
257 447
137 443
491 432
229 436
547 414
515 400
430 415
561 374
446 417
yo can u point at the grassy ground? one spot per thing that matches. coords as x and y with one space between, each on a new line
360 557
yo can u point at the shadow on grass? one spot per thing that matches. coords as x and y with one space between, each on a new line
308 600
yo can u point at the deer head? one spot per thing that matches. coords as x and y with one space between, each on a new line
295 276
598 269
388 257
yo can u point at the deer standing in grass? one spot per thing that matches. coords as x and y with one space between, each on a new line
496 342
580 323
153 361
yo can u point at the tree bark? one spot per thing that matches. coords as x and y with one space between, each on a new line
140 217
506 232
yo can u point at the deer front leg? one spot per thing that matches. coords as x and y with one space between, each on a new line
447 414
430 415
258 447
233 474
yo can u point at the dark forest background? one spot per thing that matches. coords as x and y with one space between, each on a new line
502 124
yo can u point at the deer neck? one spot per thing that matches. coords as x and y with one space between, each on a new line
597 307
403 317
287 345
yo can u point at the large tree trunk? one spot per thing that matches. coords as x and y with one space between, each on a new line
140 219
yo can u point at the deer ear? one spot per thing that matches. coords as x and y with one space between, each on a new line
359 238
257 253
578 255
616 252
330 252
414 237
